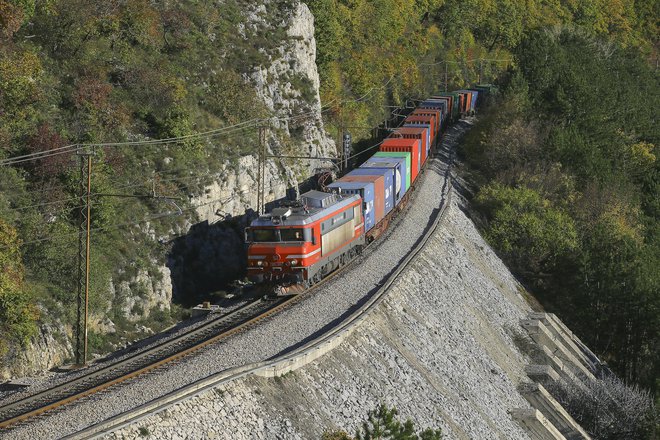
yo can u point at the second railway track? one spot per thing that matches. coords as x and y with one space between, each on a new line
140 363
150 359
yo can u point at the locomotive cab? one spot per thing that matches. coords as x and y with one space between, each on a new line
303 241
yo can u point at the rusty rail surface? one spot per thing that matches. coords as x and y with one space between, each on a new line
142 362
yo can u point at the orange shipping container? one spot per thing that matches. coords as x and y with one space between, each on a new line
411 146
423 120
430 112
422 134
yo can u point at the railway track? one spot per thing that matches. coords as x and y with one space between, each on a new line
20 411
169 351
142 362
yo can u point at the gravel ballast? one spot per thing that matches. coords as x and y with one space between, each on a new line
440 348
480 306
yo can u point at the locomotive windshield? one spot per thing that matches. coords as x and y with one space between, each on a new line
264 235
291 234
276 235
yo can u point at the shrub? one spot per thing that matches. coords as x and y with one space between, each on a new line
609 409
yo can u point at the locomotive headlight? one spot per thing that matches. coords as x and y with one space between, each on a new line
294 262
260 263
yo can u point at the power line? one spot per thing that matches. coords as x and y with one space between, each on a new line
252 123
215 132
135 222
144 184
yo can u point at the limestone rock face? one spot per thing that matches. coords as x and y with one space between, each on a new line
145 293
212 251
289 87
209 249
47 349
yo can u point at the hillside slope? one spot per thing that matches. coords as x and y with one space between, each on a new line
441 349
145 259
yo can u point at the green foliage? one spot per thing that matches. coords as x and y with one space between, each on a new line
526 228
568 173
74 71
370 52
20 75
99 72
382 423
336 435
17 312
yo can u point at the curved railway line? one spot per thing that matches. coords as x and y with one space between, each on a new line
20 411
151 358
141 362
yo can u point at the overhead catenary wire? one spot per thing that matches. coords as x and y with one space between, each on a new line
223 131
255 122
143 184
135 222
251 123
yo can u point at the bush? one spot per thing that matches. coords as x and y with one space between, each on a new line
526 228
609 409
18 314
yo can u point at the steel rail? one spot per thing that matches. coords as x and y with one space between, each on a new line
142 362
16 409
342 329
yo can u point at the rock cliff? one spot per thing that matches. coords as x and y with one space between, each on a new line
208 250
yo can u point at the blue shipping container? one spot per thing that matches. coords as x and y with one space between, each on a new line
398 165
364 190
438 104
388 174
399 155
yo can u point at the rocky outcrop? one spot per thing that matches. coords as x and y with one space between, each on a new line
211 253
289 87
143 294
47 349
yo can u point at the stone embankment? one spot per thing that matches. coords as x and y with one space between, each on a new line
442 348
454 345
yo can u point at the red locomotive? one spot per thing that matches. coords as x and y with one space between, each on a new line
302 242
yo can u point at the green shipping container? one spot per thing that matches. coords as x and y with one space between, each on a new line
397 154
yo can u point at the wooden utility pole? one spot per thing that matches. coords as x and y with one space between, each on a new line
83 256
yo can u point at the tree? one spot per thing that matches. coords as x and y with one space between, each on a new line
530 232
17 313
382 423
11 19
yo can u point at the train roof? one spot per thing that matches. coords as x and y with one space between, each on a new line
312 206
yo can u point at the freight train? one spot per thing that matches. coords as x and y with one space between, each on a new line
303 241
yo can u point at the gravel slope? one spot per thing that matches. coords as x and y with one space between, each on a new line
441 348
277 335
